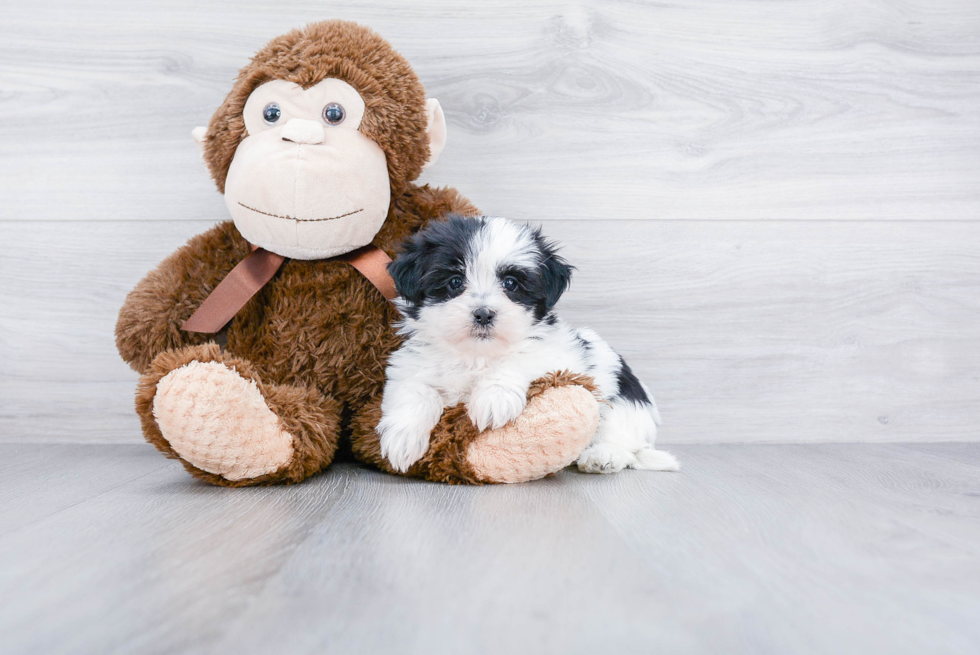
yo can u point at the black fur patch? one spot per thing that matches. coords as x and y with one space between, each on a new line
540 288
555 272
430 259
436 254
629 386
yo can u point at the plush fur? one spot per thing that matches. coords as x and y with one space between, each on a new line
477 295
395 115
315 340
212 415
539 444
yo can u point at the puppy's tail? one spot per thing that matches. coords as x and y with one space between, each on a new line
654 411
650 459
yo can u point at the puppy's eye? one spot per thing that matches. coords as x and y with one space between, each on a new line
271 113
455 283
510 283
334 114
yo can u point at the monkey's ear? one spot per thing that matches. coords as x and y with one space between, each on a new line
198 134
436 130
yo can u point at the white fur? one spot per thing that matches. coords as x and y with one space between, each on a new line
409 412
446 360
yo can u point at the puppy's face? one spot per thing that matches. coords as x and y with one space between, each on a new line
480 285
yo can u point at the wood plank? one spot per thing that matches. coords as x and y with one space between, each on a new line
767 331
813 109
789 332
41 480
963 453
158 564
845 529
817 548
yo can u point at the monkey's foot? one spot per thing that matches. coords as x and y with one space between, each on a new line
219 421
211 411
559 421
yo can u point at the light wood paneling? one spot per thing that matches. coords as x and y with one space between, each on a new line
606 120
810 109
766 331
856 548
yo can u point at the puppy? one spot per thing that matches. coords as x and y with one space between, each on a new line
476 296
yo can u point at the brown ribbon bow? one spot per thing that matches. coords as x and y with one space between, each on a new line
253 272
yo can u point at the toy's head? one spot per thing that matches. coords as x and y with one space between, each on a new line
478 285
322 127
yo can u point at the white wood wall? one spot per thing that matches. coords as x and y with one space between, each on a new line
774 206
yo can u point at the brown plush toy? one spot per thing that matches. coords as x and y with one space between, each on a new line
315 149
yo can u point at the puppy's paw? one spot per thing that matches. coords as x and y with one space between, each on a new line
402 445
650 459
605 458
495 406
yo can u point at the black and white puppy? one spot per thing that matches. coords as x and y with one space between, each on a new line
477 295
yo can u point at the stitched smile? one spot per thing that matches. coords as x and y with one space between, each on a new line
299 220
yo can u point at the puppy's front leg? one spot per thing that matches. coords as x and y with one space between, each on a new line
497 400
409 411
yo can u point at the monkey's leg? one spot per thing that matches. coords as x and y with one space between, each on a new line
212 411
559 421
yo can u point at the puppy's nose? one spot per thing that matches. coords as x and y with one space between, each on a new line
300 130
484 316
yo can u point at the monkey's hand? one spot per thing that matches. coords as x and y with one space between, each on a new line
150 319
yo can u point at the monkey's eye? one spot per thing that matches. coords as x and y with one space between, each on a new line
271 113
510 283
334 114
455 283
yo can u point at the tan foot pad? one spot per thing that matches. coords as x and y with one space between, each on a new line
549 435
219 421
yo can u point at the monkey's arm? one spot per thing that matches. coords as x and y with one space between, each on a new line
150 319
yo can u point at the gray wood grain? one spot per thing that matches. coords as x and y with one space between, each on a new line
828 548
854 320
811 109
766 331
41 480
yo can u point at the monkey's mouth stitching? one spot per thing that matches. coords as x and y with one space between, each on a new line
299 220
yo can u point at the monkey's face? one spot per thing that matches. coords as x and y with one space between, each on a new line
304 182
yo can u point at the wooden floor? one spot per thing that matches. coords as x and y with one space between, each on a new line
829 548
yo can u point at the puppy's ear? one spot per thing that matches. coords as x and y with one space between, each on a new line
556 273
407 269
557 276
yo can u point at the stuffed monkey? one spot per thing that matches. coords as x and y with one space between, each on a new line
263 340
